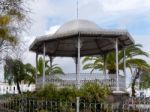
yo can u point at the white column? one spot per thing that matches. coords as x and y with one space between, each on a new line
78 73
76 61
117 67
36 69
43 64
78 104
105 66
124 64
78 64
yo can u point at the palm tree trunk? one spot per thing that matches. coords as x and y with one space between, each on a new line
137 75
51 61
112 71
18 88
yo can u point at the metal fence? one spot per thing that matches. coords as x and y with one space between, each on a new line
14 104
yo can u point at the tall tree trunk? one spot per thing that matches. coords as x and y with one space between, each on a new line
18 88
36 61
112 71
51 61
137 75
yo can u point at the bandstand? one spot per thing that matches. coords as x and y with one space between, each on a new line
79 38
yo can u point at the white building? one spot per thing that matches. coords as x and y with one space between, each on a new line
12 89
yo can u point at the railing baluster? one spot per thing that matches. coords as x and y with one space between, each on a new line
110 80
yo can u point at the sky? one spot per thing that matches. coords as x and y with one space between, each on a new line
48 15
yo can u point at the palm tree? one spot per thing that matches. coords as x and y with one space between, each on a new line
55 69
16 72
39 66
145 80
30 72
132 61
49 70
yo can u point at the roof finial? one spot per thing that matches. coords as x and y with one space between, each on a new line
77 9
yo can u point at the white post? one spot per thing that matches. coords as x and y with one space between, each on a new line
78 65
124 64
36 75
78 104
105 66
43 65
78 73
117 67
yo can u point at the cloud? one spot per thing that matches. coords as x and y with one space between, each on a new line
30 56
48 15
145 41
64 63
52 29
106 13
126 6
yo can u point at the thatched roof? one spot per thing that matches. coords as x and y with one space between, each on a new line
94 40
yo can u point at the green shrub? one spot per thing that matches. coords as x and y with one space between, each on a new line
64 98
49 92
42 111
94 92
90 92
68 93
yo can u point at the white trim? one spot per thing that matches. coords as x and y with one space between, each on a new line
117 92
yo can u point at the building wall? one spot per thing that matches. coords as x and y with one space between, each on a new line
12 89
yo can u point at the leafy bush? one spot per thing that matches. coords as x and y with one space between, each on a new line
91 92
49 92
68 93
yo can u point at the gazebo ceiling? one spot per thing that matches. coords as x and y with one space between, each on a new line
94 40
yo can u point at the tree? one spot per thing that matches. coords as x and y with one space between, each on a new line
16 72
13 19
49 70
132 61
140 71
30 73
97 62
145 80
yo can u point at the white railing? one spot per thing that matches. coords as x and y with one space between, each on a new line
70 79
